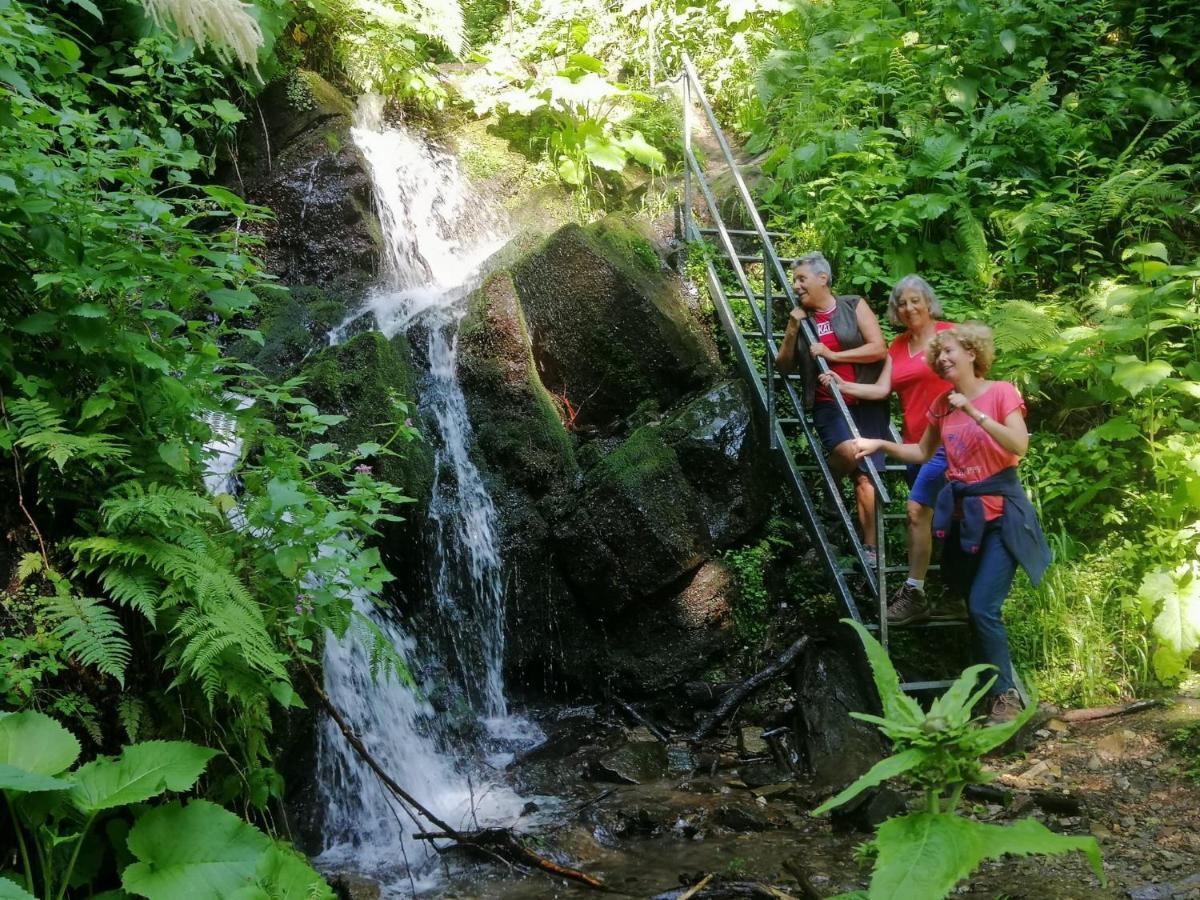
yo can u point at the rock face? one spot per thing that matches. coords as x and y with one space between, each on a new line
303 165
607 324
619 461
831 683
608 541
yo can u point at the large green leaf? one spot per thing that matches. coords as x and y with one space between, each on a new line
926 854
1136 376
194 852
879 773
36 743
142 771
897 705
603 153
14 779
10 890
956 703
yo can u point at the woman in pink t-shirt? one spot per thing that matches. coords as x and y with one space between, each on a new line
981 426
906 371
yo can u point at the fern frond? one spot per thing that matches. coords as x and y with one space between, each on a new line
43 434
384 659
135 505
91 633
136 587
1019 324
131 713
976 261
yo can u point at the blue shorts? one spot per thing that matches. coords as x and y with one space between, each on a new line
870 417
925 482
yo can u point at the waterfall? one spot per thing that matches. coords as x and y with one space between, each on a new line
437 235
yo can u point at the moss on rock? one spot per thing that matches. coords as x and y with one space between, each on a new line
292 325
609 327
518 425
638 528
361 379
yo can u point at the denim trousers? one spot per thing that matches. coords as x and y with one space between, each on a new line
985 578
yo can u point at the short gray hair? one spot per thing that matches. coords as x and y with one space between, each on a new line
817 262
922 287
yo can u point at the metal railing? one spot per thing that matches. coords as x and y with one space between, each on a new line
773 390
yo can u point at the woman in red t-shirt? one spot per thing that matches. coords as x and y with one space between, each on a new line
981 425
914 305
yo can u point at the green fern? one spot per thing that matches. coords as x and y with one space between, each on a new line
43 434
161 559
131 713
136 587
134 505
976 261
91 633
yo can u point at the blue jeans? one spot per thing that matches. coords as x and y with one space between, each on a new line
985 578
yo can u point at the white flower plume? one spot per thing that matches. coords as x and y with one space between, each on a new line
228 24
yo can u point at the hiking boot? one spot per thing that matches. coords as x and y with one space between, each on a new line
907 606
871 555
1005 707
949 610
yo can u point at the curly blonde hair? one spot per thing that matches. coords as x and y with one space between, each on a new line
974 337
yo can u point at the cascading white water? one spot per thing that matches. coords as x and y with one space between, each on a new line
436 235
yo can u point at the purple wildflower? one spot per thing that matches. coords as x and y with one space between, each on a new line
362 469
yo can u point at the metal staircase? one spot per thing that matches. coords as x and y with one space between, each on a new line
746 279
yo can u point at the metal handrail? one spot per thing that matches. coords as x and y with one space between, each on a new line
875 578
692 82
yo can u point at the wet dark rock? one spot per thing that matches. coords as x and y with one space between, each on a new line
352 886
305 168
662 642
867 811
633 763
829 684
757 774
741 817
610 329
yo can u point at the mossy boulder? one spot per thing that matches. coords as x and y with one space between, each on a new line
528 458
362 380
637 528
658 505
518 425
293 326
608 323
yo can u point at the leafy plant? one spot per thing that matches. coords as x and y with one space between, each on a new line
925 854
92 825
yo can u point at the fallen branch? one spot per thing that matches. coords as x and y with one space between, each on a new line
696 888
630 711
734 698
505 844
1108 712
499 843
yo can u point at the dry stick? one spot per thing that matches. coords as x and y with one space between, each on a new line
481 840
503 839
1108 712
629 710
734 698
366 757
696 888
